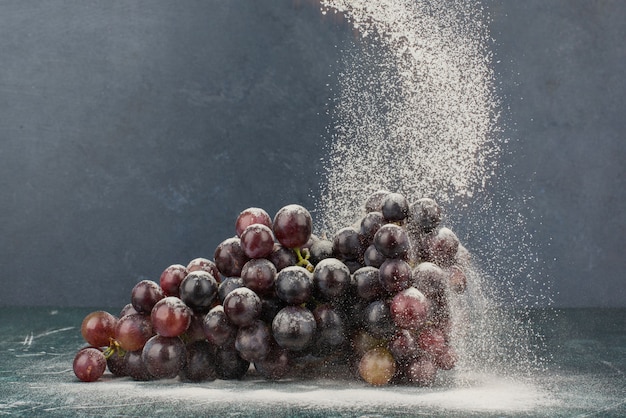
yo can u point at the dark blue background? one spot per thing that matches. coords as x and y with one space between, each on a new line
133 133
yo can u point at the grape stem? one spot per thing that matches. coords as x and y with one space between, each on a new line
303 261
114 347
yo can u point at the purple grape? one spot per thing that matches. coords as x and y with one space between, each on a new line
135 366
253 341
145 295
371 257
294 285
347 244
198 290
320 250
229 364
374 202
395 275
164 357
331 278
282 257
204 264
132 331
252 216
430 279
330 328
392 241
242 306
230 257
170 317
368 286
89 364
275 365
218 329
424 215
410 309
292 226
171 277
395 207
377 319
259 275
199 363
228 284
257 241
370 224
294 327
404 346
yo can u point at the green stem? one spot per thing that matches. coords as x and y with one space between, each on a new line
303 261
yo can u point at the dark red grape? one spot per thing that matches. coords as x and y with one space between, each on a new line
395 207
440 247
135 366
292 226
374 202
128 309
204 264
253 342
252 216
392 241
282 257
457 280
170 317
242 306
270 306
347 244
370 224
217 327
98 328
294 285
368 285
257 241
200 362
229 364
372 257
321 249
230 257
116 363
132 331
228 284
377 319
294 327
145 295
171 278
395 275
421 371
195 331
89 364
404 345
331 278
377 366
164 357
409 309
198 290
430 279
275 365
330 329
424 215
432 341
446 360
259 275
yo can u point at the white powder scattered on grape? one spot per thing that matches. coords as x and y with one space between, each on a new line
416 113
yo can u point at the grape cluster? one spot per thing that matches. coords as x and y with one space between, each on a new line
280 300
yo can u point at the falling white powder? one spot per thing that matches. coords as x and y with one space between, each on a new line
415 112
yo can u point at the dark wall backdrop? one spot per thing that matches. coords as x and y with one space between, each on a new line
133 133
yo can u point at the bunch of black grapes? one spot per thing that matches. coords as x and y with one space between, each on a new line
370 302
